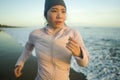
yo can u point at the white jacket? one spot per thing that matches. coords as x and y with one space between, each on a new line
52 55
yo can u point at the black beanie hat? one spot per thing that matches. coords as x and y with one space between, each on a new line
51 3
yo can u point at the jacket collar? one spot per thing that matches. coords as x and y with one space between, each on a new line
49 30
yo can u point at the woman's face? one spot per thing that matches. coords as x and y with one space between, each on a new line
56 16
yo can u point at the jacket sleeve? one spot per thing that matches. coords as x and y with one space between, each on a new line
26 52
85 55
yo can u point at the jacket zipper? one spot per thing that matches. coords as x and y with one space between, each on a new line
53 60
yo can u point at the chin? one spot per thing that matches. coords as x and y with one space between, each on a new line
59 26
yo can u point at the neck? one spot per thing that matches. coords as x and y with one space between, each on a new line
55 29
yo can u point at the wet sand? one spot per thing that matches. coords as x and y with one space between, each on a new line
10 50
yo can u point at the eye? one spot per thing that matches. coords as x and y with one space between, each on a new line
64 11
53 10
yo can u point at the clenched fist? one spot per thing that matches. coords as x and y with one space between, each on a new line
73 46
18 70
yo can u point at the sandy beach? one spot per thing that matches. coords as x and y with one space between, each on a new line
10 50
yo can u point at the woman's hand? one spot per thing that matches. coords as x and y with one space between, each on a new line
73 47
18 70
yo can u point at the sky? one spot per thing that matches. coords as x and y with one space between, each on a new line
88 13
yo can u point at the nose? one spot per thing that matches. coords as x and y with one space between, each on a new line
59 15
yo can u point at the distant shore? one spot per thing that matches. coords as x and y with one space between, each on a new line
8 26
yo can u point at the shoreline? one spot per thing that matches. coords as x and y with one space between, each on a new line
8 26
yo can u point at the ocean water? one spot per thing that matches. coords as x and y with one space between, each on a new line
103 45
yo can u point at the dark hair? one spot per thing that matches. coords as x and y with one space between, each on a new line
51 3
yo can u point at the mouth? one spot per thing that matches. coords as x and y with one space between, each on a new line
58 22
